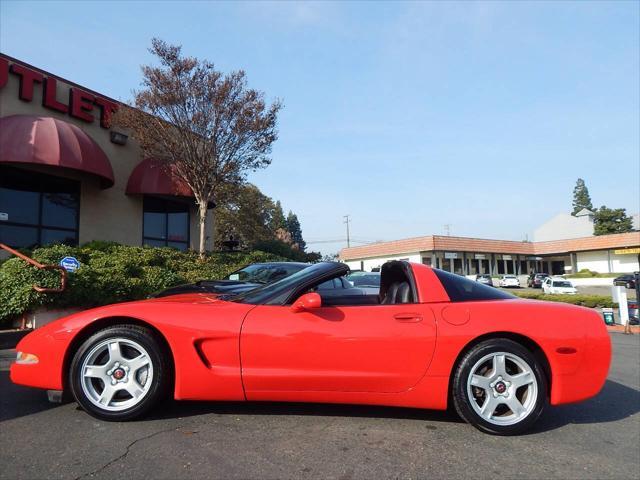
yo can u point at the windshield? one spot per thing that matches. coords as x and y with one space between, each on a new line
276 292
264 273
364 279
562 284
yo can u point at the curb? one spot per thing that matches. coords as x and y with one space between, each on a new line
10 338
620 328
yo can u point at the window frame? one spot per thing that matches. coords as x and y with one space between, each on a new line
166 240
40 182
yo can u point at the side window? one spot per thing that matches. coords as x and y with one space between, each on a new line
330 284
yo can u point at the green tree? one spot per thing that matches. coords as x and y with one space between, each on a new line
277 217
611 220
293 225
245 216
581 198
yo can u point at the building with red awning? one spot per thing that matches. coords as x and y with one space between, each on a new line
67 175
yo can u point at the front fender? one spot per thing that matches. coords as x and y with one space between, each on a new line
203 339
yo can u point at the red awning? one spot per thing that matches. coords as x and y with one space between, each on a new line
150 177
53 142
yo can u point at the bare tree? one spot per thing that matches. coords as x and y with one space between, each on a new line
207 128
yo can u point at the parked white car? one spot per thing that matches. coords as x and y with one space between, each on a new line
558 285
509 281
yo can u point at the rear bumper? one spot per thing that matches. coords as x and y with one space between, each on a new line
591 373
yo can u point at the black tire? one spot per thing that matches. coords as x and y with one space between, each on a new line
462 401
160 368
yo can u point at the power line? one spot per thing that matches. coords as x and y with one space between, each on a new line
340 240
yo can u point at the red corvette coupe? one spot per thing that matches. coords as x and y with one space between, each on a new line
428 340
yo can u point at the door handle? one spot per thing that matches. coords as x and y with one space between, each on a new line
408 317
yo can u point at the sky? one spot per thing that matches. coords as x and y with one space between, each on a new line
405 116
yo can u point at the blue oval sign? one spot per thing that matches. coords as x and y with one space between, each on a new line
70 264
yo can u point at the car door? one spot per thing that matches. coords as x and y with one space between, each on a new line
373 348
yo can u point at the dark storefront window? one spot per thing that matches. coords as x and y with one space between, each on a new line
557 267
445 264
510 269
457 266
166 223
37 209
485 266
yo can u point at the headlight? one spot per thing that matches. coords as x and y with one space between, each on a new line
26 358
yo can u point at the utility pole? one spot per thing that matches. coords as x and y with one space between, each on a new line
447 229
347 220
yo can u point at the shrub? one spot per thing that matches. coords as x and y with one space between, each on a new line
591 301
585 273
109 273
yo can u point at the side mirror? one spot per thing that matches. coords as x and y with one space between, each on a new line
308 301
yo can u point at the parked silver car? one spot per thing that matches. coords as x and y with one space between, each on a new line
485 279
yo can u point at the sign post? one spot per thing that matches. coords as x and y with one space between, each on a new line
70 264
607 314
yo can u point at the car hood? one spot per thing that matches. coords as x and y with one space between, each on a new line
188 308
190 298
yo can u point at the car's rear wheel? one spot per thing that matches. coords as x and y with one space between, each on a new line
500 387
119 373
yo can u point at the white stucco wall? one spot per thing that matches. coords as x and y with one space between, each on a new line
594 261
598 261
624 263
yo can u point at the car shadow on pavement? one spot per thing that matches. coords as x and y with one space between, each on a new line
17 401
173 409
615 402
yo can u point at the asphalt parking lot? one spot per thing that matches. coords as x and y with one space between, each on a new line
599 438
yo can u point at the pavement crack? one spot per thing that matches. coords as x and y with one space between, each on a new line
126 452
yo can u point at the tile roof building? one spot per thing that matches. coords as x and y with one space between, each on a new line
470 256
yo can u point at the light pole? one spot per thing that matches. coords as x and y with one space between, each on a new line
347 220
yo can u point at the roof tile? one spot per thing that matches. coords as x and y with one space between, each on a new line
481 245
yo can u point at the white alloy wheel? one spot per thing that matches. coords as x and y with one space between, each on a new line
116 374
502 388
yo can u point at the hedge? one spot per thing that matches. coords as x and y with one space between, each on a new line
591 301
586 273
109 273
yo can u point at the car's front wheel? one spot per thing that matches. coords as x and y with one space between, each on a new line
119 373
500 387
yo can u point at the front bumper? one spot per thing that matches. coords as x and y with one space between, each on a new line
47 373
